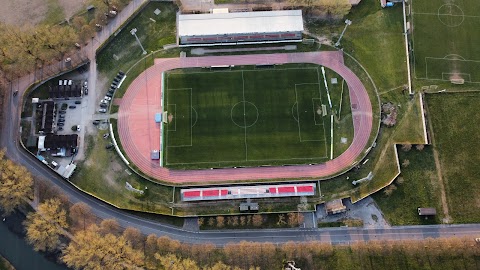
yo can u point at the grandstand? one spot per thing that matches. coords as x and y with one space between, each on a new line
245 192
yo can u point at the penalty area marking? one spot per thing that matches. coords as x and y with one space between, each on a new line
175 116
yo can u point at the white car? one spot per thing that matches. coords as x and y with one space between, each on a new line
85 83
107 98
78 128
102 110
103 101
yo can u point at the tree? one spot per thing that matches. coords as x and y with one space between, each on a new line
294 219
405 163
150 250
16 185
172 262
81 213
281 220
166 245
220 221
90 249
420 147
406 147
389 190
46 225
257 220
109 226
134 237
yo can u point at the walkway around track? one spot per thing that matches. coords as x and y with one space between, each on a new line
139 133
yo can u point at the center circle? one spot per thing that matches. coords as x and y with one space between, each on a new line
244 114
451 15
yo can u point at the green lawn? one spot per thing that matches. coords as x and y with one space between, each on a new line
419 189
152 30
455 50
245 117
454 118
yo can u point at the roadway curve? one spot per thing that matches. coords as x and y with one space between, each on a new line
139 133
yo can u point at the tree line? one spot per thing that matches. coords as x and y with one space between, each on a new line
86 242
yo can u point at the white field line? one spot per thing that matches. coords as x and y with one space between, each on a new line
453 15
244 118
406 49
423 119
341 100
162 125
331 136
326 86
116 146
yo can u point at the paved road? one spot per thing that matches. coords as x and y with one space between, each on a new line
9 134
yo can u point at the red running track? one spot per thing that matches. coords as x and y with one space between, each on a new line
139 133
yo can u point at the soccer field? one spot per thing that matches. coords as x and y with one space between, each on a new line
445 40
246 117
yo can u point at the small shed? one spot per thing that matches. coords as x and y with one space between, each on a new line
427 211
335 207
155 155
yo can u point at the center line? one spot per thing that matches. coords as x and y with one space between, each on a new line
244 118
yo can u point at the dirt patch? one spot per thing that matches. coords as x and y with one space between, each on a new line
21 12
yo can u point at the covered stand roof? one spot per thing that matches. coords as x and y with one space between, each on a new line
240 23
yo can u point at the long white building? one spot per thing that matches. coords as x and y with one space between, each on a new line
240 27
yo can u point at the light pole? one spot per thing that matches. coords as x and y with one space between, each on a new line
133 32
347 23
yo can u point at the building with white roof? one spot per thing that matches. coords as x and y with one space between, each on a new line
240 28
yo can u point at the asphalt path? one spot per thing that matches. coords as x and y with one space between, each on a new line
9 140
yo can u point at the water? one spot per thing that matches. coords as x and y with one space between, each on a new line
21 255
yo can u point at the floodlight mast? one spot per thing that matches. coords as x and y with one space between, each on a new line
347 23
134 33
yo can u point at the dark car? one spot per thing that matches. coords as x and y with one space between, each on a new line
60 128
109 146
64 106
121 73
15 93
62 112
96 122
61 124
116 80
85 91
72 106
78 102
61 120
103 105
109 95
61 116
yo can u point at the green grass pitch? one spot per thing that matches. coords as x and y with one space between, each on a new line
445 39
246 117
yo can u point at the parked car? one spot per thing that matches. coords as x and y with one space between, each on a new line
113 85
103 101
109 95
78 128
61 120
106 135
64 106
78 102
72 106
107 98
61 124
62 112
85 91
109 146
103 105
102 110
60 128
61 116
15 93
96 122
121 73
85 84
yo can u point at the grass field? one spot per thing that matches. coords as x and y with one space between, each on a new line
247 116
455 52
454 118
